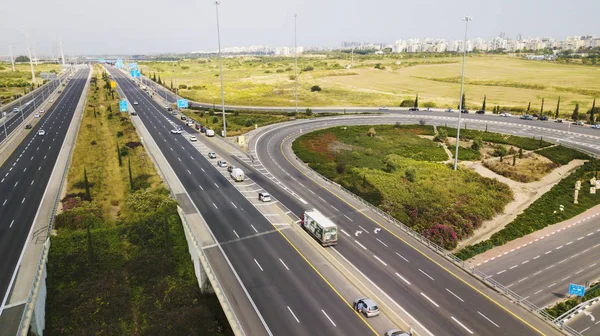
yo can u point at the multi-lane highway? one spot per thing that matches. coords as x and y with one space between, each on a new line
291 297
428 288
556 268
587 322
26 106
24 177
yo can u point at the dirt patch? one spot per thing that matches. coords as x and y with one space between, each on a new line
532 167
337 146
320 144
524 195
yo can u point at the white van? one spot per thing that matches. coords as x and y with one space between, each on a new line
264 197
210 133
237 175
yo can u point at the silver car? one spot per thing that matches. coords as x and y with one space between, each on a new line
366 306
397 332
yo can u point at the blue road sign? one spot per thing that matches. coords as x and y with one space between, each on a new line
134 73
119 64
133 65
182 103
576 290
123 106
137 73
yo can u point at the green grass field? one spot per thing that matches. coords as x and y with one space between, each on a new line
508 82
12 83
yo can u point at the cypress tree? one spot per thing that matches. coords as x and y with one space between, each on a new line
593 112
416 105
514 160
119 154
520 153
130 174
464 102
483 105
542 107
575 115
557 108
528 107
86 185
171 83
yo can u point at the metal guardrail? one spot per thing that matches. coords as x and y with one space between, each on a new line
575 310
486 279
26 317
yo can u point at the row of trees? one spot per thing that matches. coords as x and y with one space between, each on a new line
590 115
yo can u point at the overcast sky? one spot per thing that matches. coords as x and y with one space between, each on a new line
156 26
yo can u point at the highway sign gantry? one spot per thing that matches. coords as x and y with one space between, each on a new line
182 103
123 106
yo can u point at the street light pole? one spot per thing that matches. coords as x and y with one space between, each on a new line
221 70
462 84
296 58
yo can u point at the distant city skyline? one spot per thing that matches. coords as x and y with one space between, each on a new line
152 26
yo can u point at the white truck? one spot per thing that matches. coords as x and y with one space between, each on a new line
320 227
210 133
237 174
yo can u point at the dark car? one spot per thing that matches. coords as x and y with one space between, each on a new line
464 111
202 129
169 109
197 126
526 117
183 117
543 118
28 126
413 109
480 112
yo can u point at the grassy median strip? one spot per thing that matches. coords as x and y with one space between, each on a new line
562 155
119 262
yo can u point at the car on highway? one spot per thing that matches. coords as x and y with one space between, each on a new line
41 132
183 117
42 111
212 155
579 123
464 111
558 121
135 102
264 197
396 332
505 114
37 115
190 123
59 91
543 118
202 129
526 117
428 110
169 109
222 163
176 131
16 110
193 138
174 113
480 112
28 126
230 168
366 306
597 126
383 108
51 100
449 110
133 113
413 109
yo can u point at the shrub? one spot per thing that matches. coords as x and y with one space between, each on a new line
278 71
477 143
442 135
183 86
407 103
308 111
429 104
308 68
119 134
411 174
379 66
215 120
93 142
315 88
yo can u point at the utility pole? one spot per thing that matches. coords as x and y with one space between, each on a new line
221 70
30 59
352 58
12 60
462 84
296 58
62 53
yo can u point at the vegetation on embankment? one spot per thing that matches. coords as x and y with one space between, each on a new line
545 211
395 169
564 306
119 262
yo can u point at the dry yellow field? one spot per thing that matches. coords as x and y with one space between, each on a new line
506 81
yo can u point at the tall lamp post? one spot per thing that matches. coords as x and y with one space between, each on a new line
462 84
221 70
296 59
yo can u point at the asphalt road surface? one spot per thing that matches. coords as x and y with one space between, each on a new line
27 105
25 174
587 322
291 297
437 299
